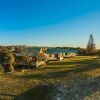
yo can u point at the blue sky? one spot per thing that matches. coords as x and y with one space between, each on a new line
49 22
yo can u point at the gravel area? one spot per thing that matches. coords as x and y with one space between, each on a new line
78 89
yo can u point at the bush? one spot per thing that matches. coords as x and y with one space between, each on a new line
7 60
1 69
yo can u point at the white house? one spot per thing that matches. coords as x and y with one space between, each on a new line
59 54
54 54
69 54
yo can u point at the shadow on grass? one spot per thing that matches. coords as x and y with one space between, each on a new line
82 87
46 92
80 66
73 62
4 94
37 93
40 92
92 87
87 88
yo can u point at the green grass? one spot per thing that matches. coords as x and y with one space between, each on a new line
37 83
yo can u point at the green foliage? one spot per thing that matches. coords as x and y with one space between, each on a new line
85 52
7 59
91 45
1 69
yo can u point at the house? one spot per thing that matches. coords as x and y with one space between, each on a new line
54 54
59 54
70 53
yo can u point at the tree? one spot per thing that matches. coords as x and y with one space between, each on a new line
10 61
91 45
7 59
26 59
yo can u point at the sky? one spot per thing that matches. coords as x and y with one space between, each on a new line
49 22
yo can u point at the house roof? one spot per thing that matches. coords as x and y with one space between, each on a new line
33 51
58 51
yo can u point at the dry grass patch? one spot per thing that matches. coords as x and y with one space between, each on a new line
29 82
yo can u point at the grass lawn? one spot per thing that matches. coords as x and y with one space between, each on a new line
36 84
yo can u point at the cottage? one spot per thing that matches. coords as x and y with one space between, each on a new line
59 54
70 53
54 54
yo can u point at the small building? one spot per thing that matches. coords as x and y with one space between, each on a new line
70 53
59 54
54 54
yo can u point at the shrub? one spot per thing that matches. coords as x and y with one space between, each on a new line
1 69
7 60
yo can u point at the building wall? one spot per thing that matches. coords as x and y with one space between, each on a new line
55 56
69 54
